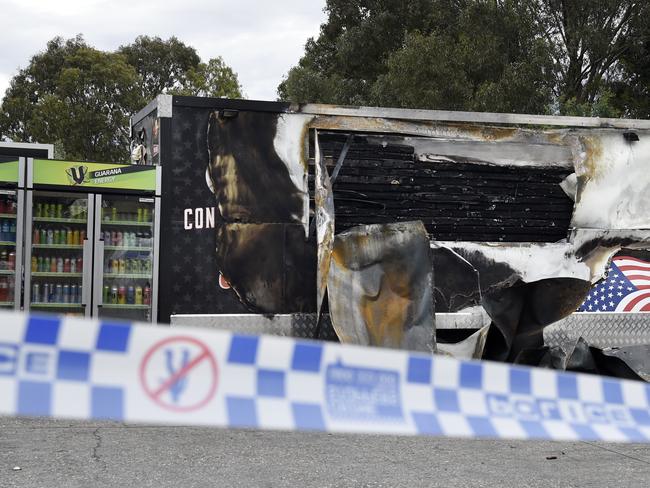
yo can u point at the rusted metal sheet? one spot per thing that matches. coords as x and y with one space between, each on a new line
380 287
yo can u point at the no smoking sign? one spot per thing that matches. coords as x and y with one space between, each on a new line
179 374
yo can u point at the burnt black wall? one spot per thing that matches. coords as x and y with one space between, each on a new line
457 201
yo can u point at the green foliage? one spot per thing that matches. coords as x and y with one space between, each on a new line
211 79
76 96
163 65
530 56
81 99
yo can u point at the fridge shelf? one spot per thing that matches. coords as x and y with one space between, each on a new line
6 304
125 222
125 306
127 248
7 243
57 246
55 305
37 274
7 271
59 220
127 276
7 216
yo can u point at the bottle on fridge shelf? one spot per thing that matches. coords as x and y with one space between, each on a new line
130 295
138 295
50 236
121 295
73 265
34 264
43 239
59 293
66 293
80 265
106 294
11 261
52 265
146 294
114 292
37 237
66 265
59 265
4 290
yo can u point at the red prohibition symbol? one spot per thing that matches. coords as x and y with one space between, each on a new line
194 378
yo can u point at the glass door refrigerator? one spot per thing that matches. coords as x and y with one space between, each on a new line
92 239
124 262
12 195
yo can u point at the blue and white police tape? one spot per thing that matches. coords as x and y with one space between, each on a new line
75 368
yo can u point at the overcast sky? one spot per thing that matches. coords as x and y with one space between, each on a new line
259 39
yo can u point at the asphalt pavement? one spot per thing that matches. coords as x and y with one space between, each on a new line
55 453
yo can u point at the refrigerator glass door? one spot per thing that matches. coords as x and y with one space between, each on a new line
9 260
58 252
124 256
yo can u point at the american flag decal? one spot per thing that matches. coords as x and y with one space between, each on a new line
626 288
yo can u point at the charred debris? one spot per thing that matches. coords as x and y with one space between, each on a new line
397 215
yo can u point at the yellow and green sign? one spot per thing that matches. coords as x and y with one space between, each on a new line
94 175
9 171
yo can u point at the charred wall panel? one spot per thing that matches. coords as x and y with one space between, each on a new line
457 200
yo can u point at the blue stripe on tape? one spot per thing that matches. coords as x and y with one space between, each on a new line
42 330
105 370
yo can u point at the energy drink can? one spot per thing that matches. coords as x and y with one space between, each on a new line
130 295
50 236
45 212
139 214
73 265
46 294
46 265
75 238
66 293
70 238
43 239
66 265
122 266
39 210
59 211
63 236
34 264
115 265
121 295
56 236
36 293
146 295
138 295
106 294
114 291
40 264
145 214
73 293
59 294
59 265
53 265
37 237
